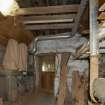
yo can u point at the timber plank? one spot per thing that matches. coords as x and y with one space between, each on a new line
101 16
102 8
49 26
48 17
49 10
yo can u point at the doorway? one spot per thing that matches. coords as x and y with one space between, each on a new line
47 72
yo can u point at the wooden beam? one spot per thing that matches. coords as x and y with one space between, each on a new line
101 16
82 50
49 26
48 19
79 88
79 15
102 8
63 79
94 67
48 10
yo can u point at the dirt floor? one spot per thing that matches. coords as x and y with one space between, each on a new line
36 98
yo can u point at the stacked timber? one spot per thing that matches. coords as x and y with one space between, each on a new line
10 59
102 14
22 61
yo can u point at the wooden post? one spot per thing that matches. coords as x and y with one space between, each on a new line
79 89
57 75
63 85
94 66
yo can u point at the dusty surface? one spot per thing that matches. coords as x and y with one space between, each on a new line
99 89
36 98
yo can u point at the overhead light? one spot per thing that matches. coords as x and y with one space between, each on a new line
8 7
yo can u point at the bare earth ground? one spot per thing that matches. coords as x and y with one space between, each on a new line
36 98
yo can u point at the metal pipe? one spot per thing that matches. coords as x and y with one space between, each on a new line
93 27
94 49
50 37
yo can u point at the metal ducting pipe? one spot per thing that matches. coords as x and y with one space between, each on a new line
50 37
93 27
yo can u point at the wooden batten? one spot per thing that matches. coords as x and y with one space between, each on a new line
102 8
48 17
101 16
48 10
49 26
49 21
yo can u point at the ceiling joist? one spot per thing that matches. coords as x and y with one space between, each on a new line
49 26
49 10
48 19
